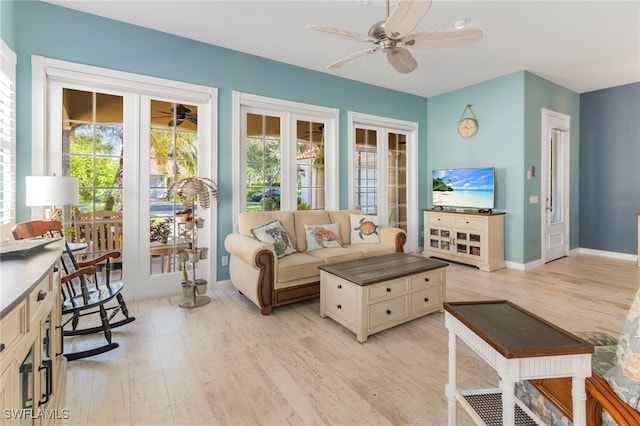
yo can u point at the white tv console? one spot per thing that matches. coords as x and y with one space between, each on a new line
472 238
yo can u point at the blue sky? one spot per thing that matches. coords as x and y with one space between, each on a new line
469 179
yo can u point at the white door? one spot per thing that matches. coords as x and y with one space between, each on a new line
555 185
382 171
128 137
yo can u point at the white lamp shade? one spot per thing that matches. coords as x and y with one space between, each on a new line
51 190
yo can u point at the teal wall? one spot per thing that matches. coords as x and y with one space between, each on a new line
508 110
499 107
7 28
60 33
540 93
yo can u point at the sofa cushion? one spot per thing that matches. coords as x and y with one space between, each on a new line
336 255
307 217
273 233
624 377
343 218
251 220
372 250
298 266
364 229
322 236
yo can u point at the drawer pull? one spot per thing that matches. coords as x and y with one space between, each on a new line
426 279
41 295
339 285
2 346
426 299
388 311
388 290
339 306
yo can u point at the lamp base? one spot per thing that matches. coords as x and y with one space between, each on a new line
53 213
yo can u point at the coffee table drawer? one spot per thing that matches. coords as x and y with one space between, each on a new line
387 311
426 279
341 300
426 300
388 290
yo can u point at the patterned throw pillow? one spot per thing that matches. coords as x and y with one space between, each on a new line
364 229
273 233
322 236
624 378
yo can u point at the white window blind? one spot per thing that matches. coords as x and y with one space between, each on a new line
7 135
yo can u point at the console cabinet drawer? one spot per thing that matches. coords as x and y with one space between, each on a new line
439 220
387 311
469 223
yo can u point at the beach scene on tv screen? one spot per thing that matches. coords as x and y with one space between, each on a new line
463 187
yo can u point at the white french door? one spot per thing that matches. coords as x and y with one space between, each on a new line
383 171
147 151
555 185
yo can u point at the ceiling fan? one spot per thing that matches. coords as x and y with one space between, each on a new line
392 36
181 113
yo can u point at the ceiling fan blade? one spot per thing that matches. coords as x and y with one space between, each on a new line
352 58
176 123
402 60
453 38
341 33
405 17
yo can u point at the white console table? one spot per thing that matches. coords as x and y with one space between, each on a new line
519 346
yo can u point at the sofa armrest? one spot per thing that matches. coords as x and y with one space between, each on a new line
246 248
395 237
255 266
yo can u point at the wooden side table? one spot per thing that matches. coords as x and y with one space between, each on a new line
519 346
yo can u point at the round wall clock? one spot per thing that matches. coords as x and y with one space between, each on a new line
467 126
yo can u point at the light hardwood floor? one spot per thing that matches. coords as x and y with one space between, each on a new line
225 363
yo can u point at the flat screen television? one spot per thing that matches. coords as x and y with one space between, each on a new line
472 188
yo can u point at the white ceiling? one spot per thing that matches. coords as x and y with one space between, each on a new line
581 45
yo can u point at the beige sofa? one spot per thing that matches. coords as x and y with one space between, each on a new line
269 281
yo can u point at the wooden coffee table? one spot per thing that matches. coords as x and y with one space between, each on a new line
370 295
519 346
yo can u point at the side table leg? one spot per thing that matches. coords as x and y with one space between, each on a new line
452 386
579 401
508 402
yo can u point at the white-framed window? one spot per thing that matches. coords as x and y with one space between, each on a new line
8 61
285 155
383 171
138 110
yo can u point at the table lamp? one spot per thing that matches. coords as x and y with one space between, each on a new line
51 191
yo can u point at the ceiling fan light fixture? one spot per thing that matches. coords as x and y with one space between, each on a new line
461 23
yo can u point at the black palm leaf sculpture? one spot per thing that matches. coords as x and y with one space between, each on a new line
194 189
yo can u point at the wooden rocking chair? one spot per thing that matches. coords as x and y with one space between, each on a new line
82 294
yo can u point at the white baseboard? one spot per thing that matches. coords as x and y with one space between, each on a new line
612 254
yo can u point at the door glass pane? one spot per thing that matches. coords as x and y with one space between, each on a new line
366 171
92 149
555 178
263 163
397 180
173 156
310 165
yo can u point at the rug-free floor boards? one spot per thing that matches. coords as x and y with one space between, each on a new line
225 363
